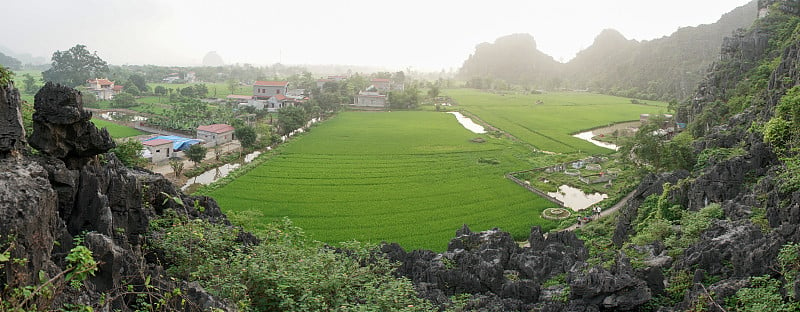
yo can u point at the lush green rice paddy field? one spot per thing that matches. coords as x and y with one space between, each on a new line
549 125
115 130
407 177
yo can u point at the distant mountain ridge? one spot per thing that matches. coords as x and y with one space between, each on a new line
664 68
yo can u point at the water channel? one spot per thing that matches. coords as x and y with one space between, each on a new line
468 123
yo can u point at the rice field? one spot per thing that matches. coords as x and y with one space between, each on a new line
407 177
547 121
116 131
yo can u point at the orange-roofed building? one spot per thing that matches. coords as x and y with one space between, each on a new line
103 88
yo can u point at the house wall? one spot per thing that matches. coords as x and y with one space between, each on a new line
213 139
370 101
160 152
265 91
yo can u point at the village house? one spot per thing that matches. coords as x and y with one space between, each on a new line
103 89
321 82
263 90
370 99
158 149
216 134
383 85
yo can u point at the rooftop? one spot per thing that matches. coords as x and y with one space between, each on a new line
100 81
216 128
156 142
271 83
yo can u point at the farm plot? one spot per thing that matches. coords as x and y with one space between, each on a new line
407 177
548 120
116 131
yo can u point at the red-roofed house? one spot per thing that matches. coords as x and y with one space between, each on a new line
103 88
215 134
265 89
383 85
159 149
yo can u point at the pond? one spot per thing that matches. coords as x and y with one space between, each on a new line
575 198
468 123
589 136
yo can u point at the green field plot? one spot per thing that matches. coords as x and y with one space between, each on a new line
548 120
407 177
116 131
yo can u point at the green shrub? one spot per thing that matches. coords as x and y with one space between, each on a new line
286 272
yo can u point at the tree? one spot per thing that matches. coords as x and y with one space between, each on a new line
74 66
196 153
133 90
160 90
5 75
130 153
433 92
30 84
124 100
232 85
246 135
406 99
649 144
200 90
291 118
139 82
177 166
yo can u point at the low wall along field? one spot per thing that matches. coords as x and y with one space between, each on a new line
407 177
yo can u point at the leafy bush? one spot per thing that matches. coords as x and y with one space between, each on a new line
286 272
763 294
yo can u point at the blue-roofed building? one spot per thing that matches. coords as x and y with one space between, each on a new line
178 143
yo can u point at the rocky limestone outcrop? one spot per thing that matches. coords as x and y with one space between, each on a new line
73 189
12 133
501 276
62 128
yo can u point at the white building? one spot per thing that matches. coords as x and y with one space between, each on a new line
215 134
160 149
104 89
370 99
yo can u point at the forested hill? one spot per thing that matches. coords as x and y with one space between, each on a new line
514 59
666 68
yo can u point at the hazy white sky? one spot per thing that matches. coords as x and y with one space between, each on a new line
423 35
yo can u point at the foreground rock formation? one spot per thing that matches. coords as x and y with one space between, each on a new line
73 189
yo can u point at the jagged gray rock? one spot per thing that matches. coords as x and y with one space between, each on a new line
12 133
62 128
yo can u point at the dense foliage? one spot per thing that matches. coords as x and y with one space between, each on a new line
75 66
285 272
130 153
